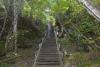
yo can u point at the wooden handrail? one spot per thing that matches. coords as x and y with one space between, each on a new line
40 46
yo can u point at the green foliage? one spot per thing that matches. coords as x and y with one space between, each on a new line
86 27
26 9
78 16
5 65
2 48
96 2
1 4
71 12
39 7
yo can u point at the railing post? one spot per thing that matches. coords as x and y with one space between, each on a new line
60 53
40 45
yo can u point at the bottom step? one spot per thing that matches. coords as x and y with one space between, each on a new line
48 66
48 63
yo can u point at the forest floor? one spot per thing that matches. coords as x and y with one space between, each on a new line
25 59
82 59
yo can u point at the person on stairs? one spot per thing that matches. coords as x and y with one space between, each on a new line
50 29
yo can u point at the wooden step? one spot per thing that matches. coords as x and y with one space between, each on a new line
54 60
49 56
46 47
50 45
49 49
48 66
52 51
48 63
53 42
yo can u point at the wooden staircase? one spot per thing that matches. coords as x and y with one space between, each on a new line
49 54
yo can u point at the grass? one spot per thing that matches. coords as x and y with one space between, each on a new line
2 47
80 58
2 44
83 60
5 65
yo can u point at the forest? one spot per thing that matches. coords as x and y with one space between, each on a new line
23 25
